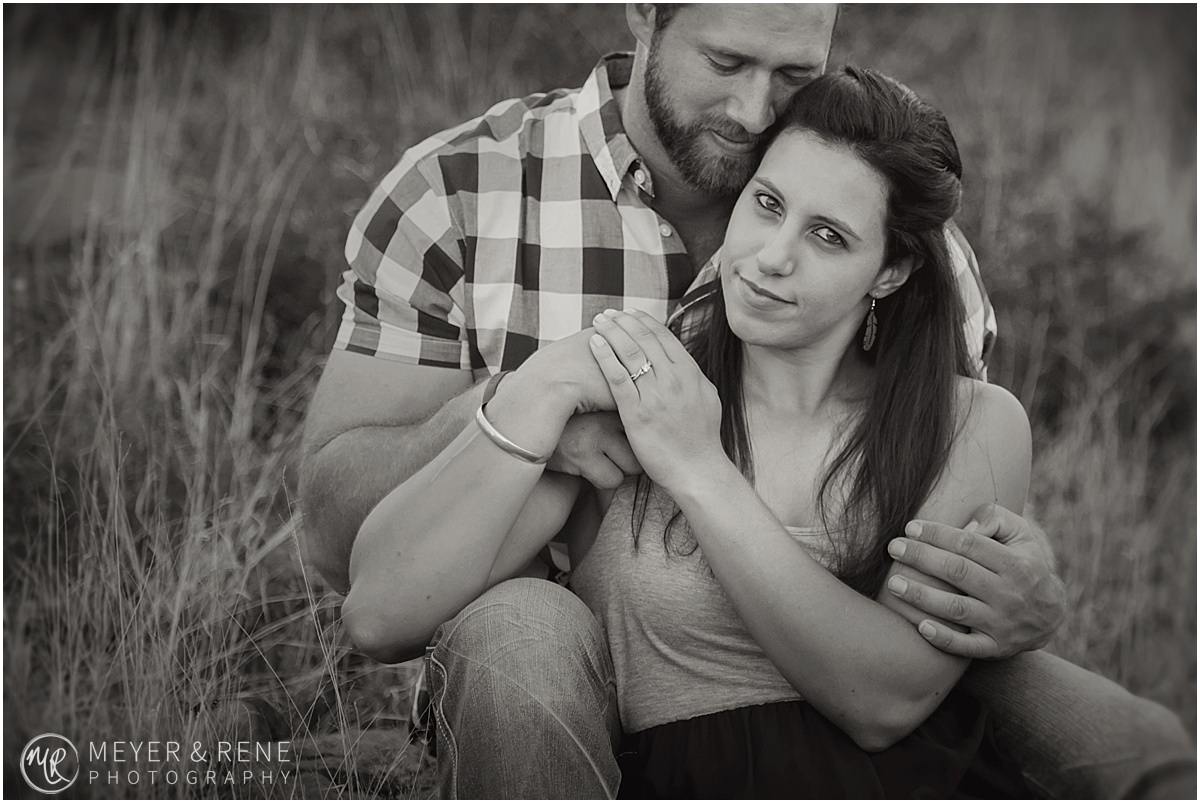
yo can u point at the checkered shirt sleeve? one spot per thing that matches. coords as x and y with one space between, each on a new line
404 293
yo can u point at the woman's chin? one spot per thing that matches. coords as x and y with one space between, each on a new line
752 331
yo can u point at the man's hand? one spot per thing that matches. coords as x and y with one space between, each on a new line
593 446
1012 600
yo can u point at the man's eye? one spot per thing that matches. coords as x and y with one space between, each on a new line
768 202
724 65
798 78
830 237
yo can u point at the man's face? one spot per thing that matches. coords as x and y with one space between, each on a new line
718 75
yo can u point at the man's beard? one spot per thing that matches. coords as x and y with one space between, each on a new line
714 173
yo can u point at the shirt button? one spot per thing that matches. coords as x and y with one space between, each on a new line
664 230
639 176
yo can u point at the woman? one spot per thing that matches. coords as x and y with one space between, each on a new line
824 399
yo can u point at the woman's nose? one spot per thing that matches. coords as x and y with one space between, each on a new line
776 258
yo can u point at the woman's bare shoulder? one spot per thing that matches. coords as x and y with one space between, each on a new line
989 458
990 412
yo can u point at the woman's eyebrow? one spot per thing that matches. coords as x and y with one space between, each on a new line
767 183
839 224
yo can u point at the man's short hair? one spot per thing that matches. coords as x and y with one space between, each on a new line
663 12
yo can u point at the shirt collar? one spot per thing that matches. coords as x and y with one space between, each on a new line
696 303
600 122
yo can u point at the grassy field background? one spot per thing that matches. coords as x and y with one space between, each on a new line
178 184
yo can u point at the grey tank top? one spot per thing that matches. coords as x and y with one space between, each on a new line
678 646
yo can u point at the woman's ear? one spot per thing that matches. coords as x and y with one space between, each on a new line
893 277
640 17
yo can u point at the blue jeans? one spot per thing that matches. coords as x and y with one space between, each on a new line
524 701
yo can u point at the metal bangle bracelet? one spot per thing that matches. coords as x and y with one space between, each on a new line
504 443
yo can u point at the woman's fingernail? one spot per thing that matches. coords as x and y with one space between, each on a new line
596 340
927 630
972 526
896 548
610 311
898 584
913 529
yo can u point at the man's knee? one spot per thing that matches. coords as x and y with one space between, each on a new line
517 621
523 641
1078 734
521 682
1158 763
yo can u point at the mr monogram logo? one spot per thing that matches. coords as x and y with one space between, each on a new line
49 763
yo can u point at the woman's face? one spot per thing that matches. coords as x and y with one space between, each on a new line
805 245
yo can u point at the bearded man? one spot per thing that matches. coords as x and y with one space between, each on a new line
510 232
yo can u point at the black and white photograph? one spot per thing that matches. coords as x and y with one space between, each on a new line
583 401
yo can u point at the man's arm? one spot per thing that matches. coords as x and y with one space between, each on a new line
374 423
1012 600
371 425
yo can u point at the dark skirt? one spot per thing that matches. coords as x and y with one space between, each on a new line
788 750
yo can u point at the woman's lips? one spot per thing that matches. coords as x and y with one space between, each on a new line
758 296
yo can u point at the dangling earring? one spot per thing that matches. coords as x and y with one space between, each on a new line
872 326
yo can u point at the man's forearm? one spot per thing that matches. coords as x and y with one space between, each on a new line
342 481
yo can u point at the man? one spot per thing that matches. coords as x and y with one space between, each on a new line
493 239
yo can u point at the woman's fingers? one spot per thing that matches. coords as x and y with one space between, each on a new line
634 344
623 389
642 328
627 350
672 348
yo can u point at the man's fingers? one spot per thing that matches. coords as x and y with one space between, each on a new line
947 566
621 453
944 605
966 645
602 473
999 523
970 543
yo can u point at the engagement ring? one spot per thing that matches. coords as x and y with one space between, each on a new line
639 373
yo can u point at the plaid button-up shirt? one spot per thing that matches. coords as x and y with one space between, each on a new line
516 228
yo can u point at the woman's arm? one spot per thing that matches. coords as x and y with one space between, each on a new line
993 448
855 660
473 516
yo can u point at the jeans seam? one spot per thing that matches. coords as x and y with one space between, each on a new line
439 719
549 709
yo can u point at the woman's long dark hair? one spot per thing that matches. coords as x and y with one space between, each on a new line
898 447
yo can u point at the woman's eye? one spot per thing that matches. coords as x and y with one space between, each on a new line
830 237
768 202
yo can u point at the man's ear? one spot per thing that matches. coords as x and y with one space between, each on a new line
640 17
893 277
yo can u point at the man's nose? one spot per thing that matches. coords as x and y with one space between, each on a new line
753 106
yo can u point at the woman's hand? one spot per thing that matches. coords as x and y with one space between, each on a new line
671 412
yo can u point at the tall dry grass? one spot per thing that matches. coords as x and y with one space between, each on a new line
177 187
